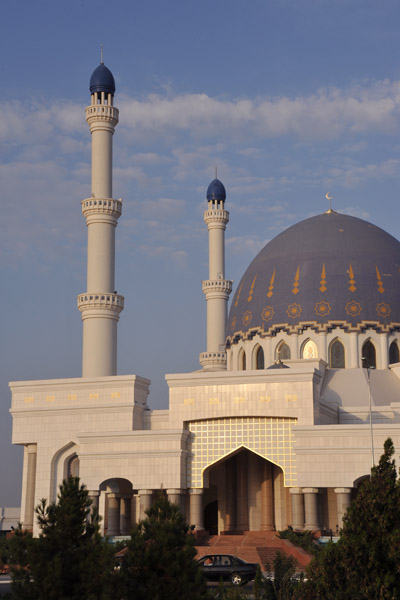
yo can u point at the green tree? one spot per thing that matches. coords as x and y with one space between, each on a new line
365 563
159 562
280 583
69 560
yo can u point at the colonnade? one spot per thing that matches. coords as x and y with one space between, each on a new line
305 511
120 511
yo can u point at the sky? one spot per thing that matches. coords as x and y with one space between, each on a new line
289 99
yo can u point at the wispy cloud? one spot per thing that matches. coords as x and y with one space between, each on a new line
325 114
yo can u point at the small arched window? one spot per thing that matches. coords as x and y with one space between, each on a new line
310 350
73 466
369 354
282 352
260 358
394 353
336 355
242 360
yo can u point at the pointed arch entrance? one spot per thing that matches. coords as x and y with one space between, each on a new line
244 492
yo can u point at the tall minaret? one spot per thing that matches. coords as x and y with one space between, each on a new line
100 305
216 288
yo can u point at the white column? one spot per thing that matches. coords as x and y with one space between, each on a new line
145 502
297 498
114 515
311 508
343 499
31 450
268 357
196 508
354 362
94 497
125 514
322 347
384 350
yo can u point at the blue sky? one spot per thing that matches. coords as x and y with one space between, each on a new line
291 99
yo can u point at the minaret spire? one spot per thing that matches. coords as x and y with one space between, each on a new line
100 305
216 288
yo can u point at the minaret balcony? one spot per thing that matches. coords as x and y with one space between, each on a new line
102 112
223 286
101 300
213 361
216 216
102 206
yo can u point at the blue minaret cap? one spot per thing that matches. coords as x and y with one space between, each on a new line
216 191
102 80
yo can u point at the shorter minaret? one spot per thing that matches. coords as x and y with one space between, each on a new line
216 288
100 306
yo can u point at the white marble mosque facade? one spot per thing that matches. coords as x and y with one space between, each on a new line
242 446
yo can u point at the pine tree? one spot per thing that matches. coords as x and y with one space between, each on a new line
69 560
159 563
365 563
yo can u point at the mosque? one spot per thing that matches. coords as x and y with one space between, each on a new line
274 429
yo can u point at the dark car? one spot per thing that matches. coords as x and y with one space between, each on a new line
227 567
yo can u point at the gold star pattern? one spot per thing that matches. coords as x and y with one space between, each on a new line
238 296
353 308
294 310
323 287
247 317
233 323
295 289
250 298
322 308
383 309
352 281
267 313
271 285
381 289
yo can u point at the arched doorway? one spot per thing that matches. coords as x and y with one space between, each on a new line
244 492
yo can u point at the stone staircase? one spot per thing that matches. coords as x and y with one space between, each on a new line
252 546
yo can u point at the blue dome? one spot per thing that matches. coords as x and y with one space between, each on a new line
216 190
102 80
328 271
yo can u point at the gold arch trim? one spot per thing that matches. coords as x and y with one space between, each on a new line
212 440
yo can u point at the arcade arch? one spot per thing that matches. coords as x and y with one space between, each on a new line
245 492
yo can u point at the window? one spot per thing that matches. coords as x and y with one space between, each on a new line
260 358
242 360
394 353
282 352
368 353
310 350
336 355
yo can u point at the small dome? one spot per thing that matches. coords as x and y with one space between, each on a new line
328 271
216 190
102 80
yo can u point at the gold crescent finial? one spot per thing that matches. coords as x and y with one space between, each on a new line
328 197
101 53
